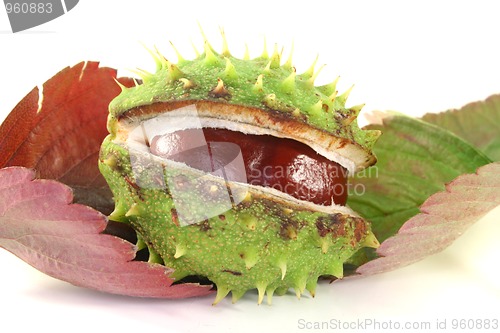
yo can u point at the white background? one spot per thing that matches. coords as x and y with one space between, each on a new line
413 57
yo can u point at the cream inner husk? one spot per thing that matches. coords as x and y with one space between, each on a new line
188 117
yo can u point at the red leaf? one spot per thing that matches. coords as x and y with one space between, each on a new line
40 225
60 136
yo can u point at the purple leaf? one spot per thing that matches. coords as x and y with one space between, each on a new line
40 224
444 217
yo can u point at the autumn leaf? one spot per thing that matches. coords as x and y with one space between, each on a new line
477 122
444 217
40 224
59 134
415 160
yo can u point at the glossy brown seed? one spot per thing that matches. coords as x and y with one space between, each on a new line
283 164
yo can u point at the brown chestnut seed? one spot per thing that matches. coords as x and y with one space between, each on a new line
283 164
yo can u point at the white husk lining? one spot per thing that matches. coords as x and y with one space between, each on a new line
258 122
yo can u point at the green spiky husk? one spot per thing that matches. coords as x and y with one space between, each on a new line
261 243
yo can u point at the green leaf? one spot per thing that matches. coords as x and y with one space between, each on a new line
478 123
415 160
444 217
